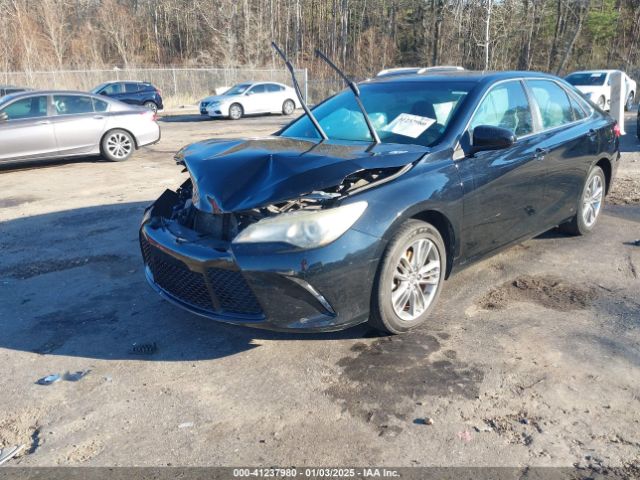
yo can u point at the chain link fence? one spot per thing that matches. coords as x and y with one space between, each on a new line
179 86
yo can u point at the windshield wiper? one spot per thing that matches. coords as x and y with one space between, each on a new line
356 92
296 86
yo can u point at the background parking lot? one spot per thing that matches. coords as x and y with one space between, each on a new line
531 357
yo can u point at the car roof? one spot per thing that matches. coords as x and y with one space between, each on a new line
462 75
35 93
594 71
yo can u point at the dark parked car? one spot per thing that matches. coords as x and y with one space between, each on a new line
297 232
9 89
135 93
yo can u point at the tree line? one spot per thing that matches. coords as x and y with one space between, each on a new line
361 35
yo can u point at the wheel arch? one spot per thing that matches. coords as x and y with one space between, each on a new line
135 140
444 226
605 165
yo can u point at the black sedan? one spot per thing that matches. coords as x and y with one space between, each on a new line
344 217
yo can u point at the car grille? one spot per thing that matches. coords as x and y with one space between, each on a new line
219 291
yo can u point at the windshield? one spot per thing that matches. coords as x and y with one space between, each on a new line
98 88
587 79
408 112
238 89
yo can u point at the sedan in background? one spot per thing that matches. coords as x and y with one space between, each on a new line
596 86
58 124
331 223
251 98
9 89
134 93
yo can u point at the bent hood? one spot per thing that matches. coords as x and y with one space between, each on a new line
237 175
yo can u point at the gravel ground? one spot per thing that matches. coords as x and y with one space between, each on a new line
532 357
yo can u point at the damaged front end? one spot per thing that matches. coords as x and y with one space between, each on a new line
265 258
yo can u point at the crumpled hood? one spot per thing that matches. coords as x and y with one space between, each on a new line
237 175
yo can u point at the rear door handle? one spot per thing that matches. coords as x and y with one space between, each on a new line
98 117
591 134
540 154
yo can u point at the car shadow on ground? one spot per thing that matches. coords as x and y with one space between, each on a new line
56 162
73 285
184 118
630 142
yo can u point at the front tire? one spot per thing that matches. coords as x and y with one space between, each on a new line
409 278
601 102
589 205
288 107
236 111
117 145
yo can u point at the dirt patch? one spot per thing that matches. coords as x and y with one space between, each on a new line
625 191
550 292
516 428
16 201
20 428
34 269
82 452
387 376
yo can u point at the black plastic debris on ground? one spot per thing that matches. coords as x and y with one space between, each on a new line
144 348
75 376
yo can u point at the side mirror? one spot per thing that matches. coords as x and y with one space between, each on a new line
4 117
486 137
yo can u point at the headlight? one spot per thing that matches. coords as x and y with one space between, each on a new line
304 229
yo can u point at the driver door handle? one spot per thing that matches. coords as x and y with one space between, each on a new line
540 154
43 122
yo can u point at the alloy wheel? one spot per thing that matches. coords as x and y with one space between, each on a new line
119 145
592 201
416 279
235 112
289 107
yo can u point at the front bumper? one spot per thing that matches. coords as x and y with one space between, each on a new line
259 285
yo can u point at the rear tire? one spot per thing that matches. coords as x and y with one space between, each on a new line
288 107
151 106
236 111
117 145
589 205
409 278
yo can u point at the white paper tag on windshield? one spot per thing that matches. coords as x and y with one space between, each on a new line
409 125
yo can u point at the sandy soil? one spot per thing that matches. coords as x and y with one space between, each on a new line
531 358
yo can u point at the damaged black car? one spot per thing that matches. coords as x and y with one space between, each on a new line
361 208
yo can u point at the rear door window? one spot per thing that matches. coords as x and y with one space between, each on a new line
132 87
100 105
272 88
553 102
505 106
72 104
31 107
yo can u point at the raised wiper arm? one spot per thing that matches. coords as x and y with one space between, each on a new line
356 92
296 86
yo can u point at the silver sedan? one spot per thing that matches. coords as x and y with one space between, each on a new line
57 124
